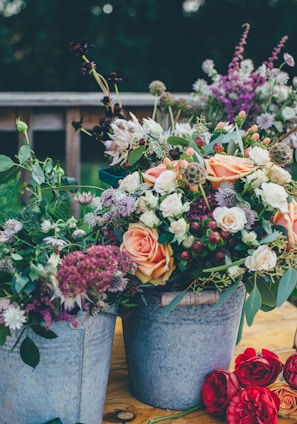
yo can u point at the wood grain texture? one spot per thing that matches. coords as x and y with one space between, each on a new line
273 330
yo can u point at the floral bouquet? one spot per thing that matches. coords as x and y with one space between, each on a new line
51 267
201 210
263 92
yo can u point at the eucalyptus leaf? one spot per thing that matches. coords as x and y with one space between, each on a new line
38 174
270 238
43 332
174 140
29 352
135 155
6 163
267 295
286 286
4 333
16 257
19 282
173 303
226 294
252 305
55 421
34 272
24 153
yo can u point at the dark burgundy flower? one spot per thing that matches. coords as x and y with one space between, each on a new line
79 48
290 371
219 387
257 370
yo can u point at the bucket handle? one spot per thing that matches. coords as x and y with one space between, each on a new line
208 297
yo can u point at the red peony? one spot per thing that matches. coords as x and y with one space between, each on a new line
290 371
219 387
253 405
257 370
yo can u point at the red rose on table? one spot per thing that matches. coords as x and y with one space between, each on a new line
257 370
290 371
219 387
253 405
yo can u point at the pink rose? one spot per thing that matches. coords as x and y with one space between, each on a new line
154 260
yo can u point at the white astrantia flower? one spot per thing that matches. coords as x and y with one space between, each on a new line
54 242
14 317
13 226
5 236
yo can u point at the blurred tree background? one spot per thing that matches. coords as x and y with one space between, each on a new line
142 40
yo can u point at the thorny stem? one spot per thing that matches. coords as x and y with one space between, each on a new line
176 416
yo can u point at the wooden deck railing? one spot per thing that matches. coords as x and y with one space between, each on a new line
47 111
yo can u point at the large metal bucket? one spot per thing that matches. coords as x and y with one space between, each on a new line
168 357
69 382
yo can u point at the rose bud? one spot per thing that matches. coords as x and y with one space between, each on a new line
290 371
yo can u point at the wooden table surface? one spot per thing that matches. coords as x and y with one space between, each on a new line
273 330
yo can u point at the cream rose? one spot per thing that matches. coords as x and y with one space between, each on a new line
230 219
149 219
273 195
166 182
131 182
154 260
179 228
259 156
263 259
279 175
147 201
249 237
172 206
256 178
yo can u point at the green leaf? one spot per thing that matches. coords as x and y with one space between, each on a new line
37 173
4 332
174 140
29 352
135 155
69 181
267 295
270 238
43 332
34 272
24 153
54 421
18 282
6 163
173 303
252 305
286 286
226 294
165 238
16 257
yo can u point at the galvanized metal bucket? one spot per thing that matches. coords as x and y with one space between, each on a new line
168 357
69 382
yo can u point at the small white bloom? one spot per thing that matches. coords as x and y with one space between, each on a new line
78 234
179 228
13 226
255 179
235 271
166 182
279 175
273 195
247 66
46 226
172 206
55 243
131 182
188 241
263 259
96 203
90 219
259 156
230 219
71 222
288 112
208 67
14 317
150 219
147 201
249 237
5 236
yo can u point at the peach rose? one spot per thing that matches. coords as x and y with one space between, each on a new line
288 399
222 168
152 174
154 260
288 221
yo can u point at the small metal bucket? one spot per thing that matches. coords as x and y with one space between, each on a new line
168 357
69 382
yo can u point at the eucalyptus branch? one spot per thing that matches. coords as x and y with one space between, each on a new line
176 416
223 267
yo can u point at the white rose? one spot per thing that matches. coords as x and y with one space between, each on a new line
235 271
263 259
150 219
147 201
131 182
273 195
230 219
279 175
166 182
256 178
249 237
259 156
172 206
179 228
